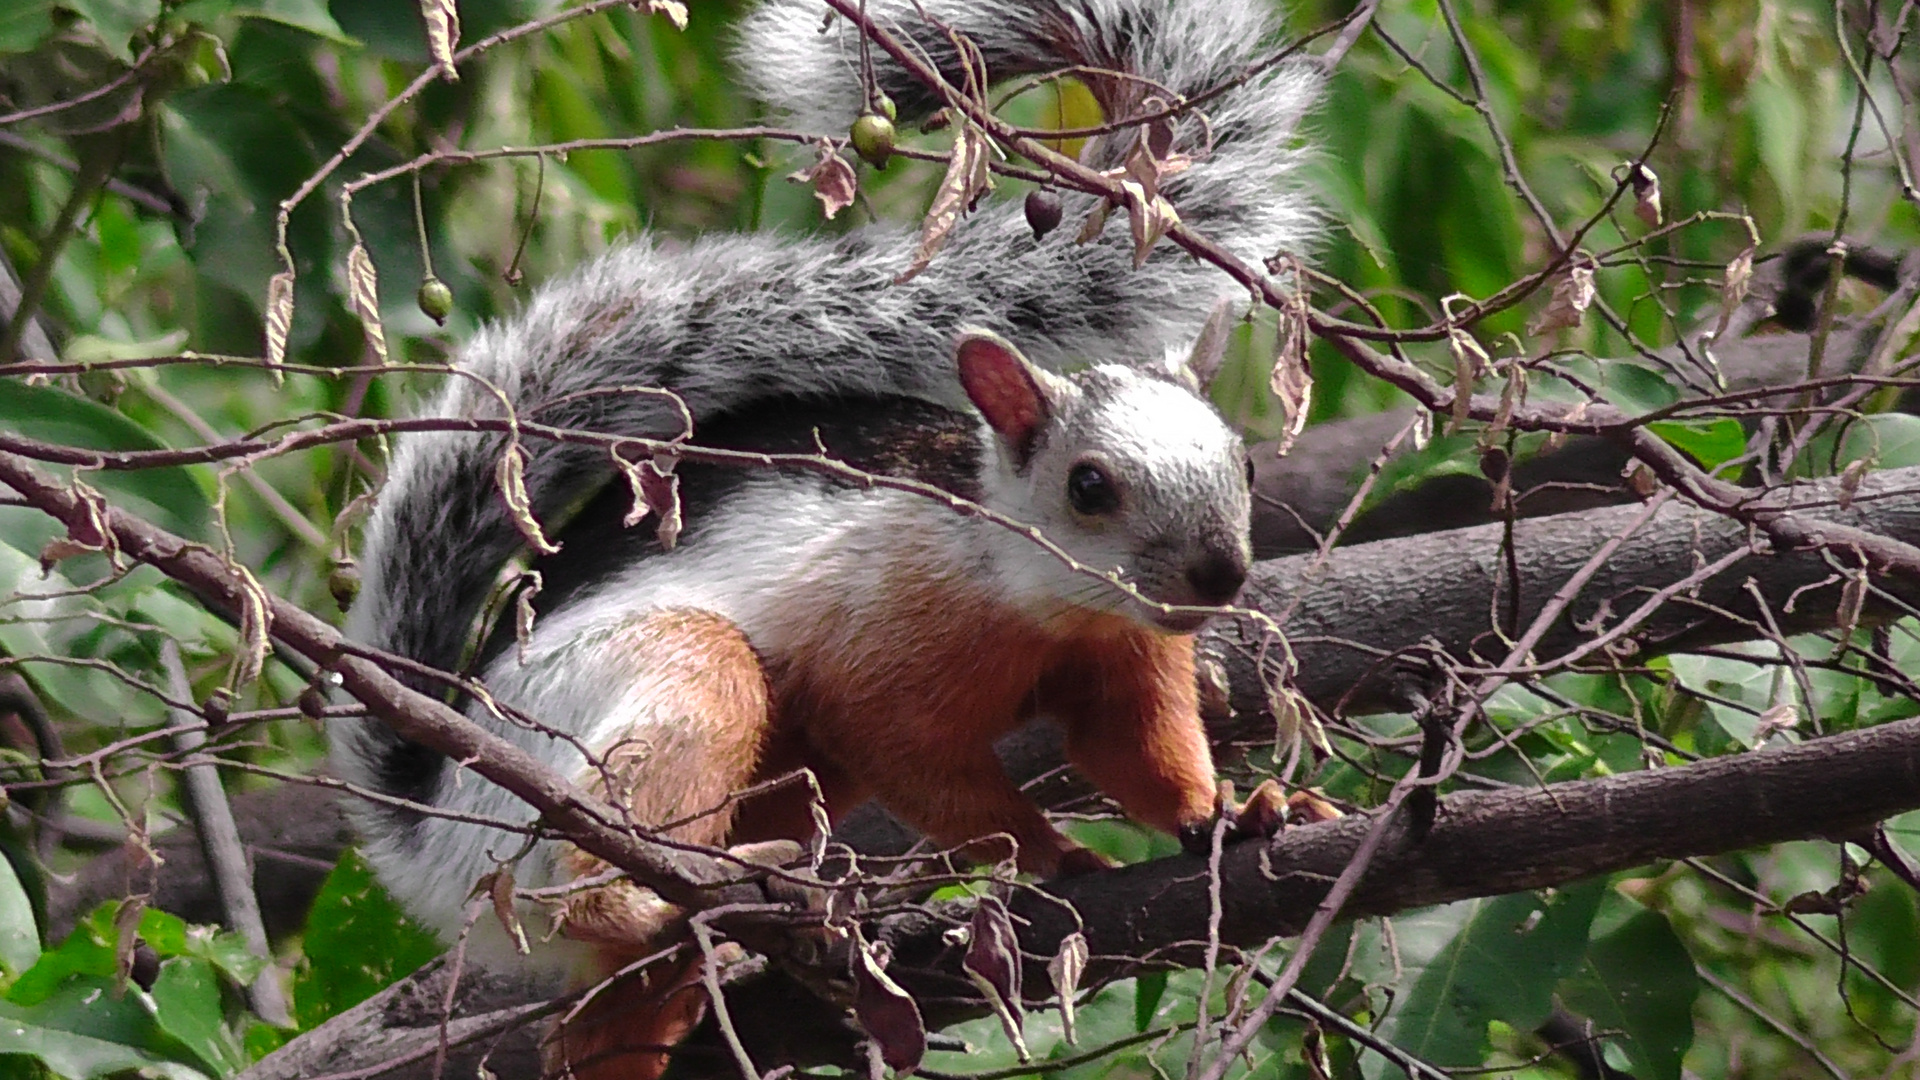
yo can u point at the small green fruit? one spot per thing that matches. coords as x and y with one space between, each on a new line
435 300
344 584
872 137
885 106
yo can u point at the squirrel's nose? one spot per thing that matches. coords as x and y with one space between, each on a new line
1217 576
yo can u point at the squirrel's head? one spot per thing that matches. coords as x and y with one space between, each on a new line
1122 470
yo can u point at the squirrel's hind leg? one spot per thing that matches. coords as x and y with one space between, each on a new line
699 717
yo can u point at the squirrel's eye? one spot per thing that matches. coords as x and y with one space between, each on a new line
1250 474
1090 491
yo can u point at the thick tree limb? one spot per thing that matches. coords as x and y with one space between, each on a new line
1482 844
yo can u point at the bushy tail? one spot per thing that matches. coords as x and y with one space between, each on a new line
728 321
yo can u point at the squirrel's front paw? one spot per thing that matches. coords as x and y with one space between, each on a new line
1267 810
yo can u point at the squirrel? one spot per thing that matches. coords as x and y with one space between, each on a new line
872 635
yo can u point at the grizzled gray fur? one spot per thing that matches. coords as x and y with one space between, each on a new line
727 321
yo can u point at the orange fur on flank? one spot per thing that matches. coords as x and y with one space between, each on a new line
898 695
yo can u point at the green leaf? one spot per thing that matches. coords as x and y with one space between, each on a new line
186 1005
116 21
1712 443
309 15
174 497
1148 989
71 1054
1639 980
226 951
1472 963
1889 440
19 931
88 951
23 23
358 942
1779 121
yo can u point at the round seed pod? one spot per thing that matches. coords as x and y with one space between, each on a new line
872 138
435 300
1043 212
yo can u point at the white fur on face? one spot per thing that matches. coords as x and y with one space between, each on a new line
1182 476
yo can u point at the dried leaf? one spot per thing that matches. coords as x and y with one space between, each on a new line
1292 378
1853 601
126 932
1095 224
1646 194
656 491
672 9
1733 287
822 830
1152 158
1065 970
1512 392
511 474
1572 295
1574 415
1782 717
1313 1051
531 583
1216 703
1469 360
1294 719
1850 478
993 964
364 294
1640 479
86 531
279 316
1150 216
443 34
256 628
885 1011
966 179
833 180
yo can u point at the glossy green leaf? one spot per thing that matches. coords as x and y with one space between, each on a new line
186 1005
1638 979
116 21
77 1056
19 930
1888 440
175 498
1712 443
226 951
1148 989
1472 963
357 942
23 23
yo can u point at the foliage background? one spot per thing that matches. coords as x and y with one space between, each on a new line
1693 964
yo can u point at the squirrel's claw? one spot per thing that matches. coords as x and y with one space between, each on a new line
1268 809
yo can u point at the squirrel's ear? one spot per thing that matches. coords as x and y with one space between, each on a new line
1209 349
1016 398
